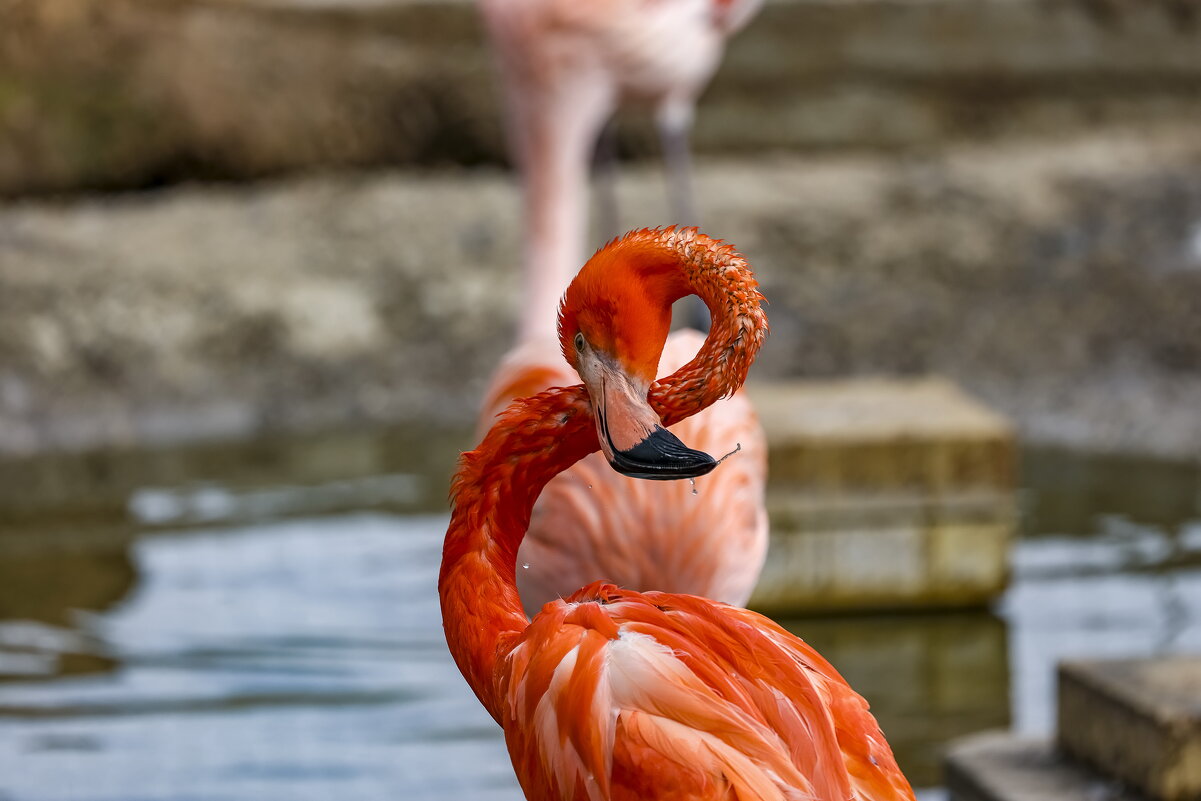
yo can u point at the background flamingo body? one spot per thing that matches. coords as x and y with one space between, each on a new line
618 695
566 65
707 537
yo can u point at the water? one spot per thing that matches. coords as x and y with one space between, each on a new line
259 622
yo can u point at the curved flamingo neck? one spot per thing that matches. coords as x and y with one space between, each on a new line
494 492
536 438
721 277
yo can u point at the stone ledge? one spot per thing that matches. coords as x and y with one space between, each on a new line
1136 720
880 435
1000 766
888 567
915 470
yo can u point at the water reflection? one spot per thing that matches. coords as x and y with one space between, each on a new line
300 658
50 584
90 490
928 678
68 523
45 585
1070 493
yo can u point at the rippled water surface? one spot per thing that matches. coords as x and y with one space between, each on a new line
259 621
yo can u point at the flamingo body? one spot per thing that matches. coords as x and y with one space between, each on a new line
615 695
705 538
654 51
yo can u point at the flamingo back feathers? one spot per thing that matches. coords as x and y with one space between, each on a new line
689 694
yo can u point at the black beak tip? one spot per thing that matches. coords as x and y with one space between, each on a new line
662 457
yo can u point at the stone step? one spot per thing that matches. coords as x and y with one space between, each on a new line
883 435
1137 721
1001 766
912 469
120 93
895 563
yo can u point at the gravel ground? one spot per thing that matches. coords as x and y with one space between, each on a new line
1058 281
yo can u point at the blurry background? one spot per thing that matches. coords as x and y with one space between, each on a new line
258 257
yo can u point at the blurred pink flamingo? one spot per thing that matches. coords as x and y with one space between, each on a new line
566 65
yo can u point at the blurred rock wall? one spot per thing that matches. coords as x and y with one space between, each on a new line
98 94
136 93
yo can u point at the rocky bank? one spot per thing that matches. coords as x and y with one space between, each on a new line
1059 281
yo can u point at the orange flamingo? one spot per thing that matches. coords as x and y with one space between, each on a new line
617 695
566 65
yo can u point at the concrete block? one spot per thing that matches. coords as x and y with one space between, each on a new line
1000 766
901 550
884 494
883 435
1138 721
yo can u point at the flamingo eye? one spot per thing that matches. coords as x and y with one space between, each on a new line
579 342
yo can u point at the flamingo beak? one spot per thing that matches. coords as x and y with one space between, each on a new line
661 456
631 434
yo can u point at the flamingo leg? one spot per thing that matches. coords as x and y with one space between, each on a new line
558 127
604 163
675 130
674 121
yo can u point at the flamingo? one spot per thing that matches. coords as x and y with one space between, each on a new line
612 694
566 65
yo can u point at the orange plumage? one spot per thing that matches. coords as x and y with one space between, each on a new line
615 694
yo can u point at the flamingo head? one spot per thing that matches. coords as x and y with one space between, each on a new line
613 324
